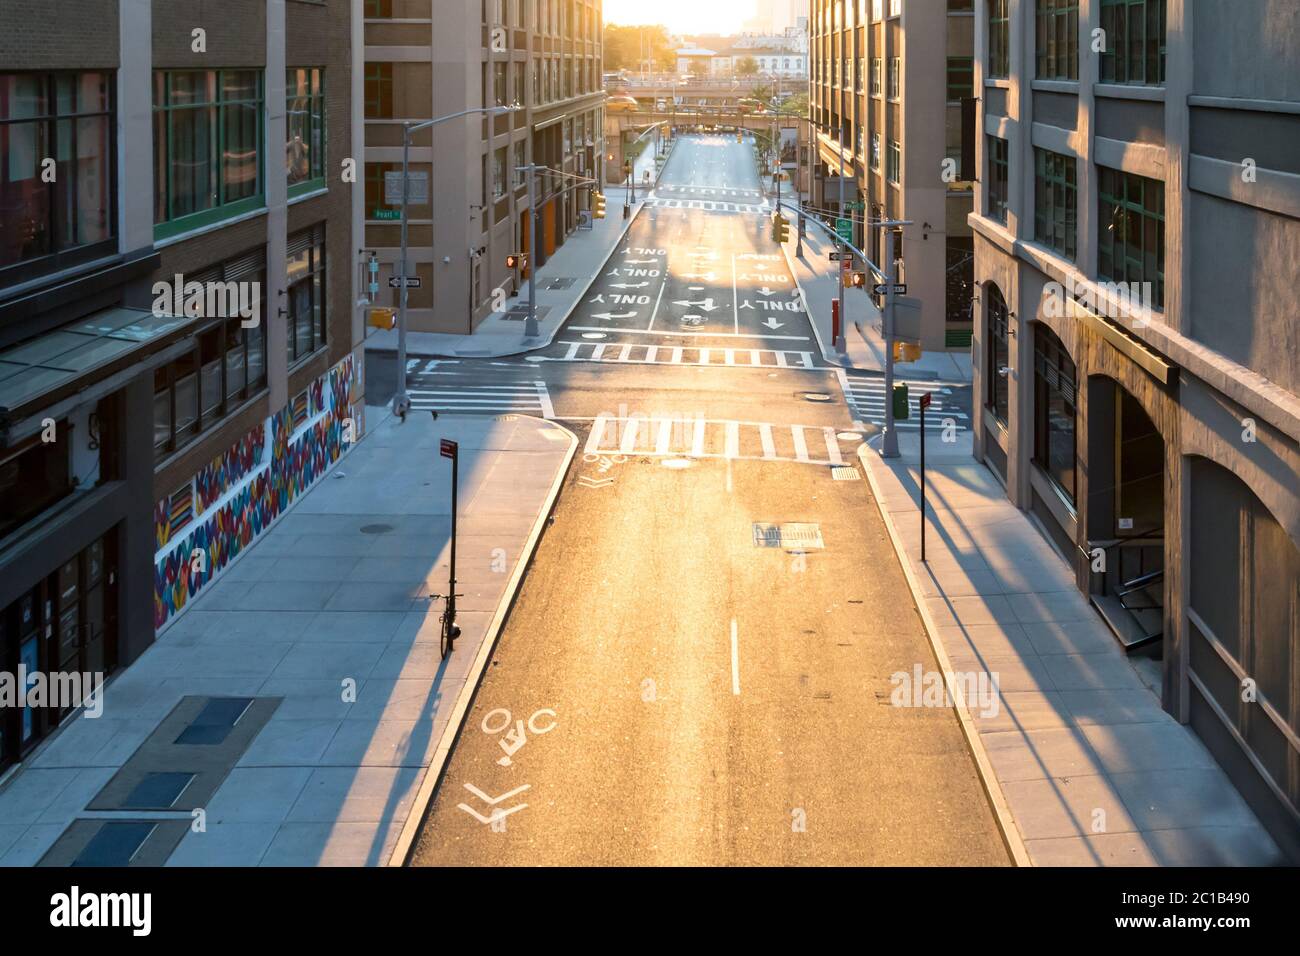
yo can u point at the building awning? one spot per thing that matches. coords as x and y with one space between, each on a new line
49 362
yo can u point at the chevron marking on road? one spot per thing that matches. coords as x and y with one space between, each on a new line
492 802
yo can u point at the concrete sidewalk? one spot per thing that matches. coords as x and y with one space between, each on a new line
814 273
330 622
576 264
1084 766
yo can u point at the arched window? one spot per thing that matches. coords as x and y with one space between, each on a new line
1055 404
997 354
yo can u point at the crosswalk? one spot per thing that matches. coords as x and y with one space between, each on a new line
709 205
520 398
668 437
866 396
636 354
749 195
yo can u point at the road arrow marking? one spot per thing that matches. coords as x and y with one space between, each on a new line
628 285
773 324
746 304
706 276
614 315
707 305
766 291
639 262
493 801
586 481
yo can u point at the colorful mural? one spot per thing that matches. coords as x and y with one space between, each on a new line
261 492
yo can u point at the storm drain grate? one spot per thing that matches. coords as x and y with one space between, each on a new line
157 791
789 536
564 283
215 721
519 313
116 844
376 528
845 473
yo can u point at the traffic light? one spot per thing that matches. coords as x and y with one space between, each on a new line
598 205
859 280
382 318
780 228
516 260
907 352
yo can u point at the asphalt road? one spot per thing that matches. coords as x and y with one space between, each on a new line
696 690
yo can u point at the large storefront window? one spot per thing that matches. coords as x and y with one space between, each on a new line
226 366
305 121
56 171
1054 411
207 147
64 625
1131 231
999 177
997 355
33 476
306 272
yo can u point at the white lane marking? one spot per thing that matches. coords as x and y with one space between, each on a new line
677 356
730 356
544 396
664 441
629 436
650 352
705 335
800 446
832 446
780 359
597 352
735 297
573 350
625 353
704 357
807 359
735 659
658 299
597 433
769 446
697 443
733 440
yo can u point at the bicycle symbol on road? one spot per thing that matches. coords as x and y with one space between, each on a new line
499 720
606 461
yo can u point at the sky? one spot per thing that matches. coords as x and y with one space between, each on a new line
683 16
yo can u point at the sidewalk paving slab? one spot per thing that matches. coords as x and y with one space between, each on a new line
323 598
1081 763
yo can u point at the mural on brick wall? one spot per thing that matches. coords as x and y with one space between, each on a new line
238 495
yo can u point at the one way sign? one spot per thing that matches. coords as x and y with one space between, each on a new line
412 282
900 288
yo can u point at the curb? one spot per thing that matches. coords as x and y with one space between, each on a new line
1011 837
419 811
828 355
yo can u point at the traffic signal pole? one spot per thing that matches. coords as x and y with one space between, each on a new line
840 343
889 445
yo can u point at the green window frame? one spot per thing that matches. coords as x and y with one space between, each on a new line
306 147
378 91
999 40
204 123
1131 230
1056 202
999 176
1136 43
1057 42
961 78
379 9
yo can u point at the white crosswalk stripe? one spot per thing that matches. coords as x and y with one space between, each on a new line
528 398
707 438
709 205
866 396
637 354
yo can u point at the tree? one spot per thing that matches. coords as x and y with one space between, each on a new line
747 66
796 105
625 46
699 68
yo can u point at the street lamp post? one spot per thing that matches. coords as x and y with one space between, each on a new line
402 400
531 330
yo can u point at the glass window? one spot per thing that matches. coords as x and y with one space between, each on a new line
207 142
961 78
379 90
1054 410
1135 42
1057 40
53 214
307 319
875 150
499 173
998 354
996 206
379 9
1055 201
894 169
500 86
305 122
877 66
1131 232
895 77
999 39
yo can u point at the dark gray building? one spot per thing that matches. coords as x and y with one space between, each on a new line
1137 349
177 283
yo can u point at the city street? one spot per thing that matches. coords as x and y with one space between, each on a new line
696 686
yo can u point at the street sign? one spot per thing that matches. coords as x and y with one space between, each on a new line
395 282
386 213
418 189
448 448
858 206
844 229
840 256
900 288
925 400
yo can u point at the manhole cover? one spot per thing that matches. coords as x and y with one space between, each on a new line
376 528
816 396
796 535
845 473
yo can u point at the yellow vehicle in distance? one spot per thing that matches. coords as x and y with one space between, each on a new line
621 103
